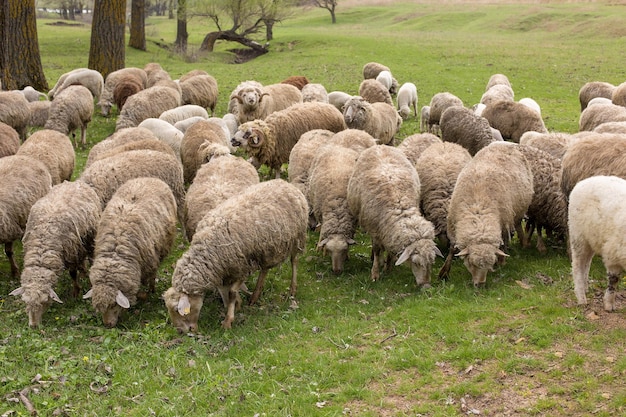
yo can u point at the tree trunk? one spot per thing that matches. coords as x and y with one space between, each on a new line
106 52
228 35
269 30
181 27
20 62
138 25
332 15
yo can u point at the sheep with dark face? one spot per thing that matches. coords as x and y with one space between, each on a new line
380 120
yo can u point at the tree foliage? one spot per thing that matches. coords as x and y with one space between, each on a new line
329 5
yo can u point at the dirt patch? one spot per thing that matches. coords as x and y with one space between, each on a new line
245 55
65 23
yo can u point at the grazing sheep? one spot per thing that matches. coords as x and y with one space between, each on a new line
72 108
9 140
62 79
185 111
117 138
383 195
39 113
338 99
424 119
554 143
438 103
328 196
88 78
611 127
378 119
527 101
491 196
165 132
198 146
594 154
55 150
596 227
106 99
270 141
413 146
372 69
512 119
232 101
257 229
407 98
499 92
592 90
298 81
314 92
200 90
597 114
374 92
218 179
257 103
497 79
356 139
438 168
15 111
24 181
460 125
147 103
619 95
127 86
59 235
135 232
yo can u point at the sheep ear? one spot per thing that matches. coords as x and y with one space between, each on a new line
406 254
500 253
121 300
88 294
322 244
17 291
184 307
54 296
463 252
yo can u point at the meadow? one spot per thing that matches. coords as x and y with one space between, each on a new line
520 346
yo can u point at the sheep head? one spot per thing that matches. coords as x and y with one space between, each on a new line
354 112
480 259
37 301
109 302
421 254
250 135
250 97
184 309
338 246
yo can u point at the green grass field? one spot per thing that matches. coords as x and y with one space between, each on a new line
519 347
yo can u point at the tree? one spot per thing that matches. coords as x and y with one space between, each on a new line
20 62
181 26
106 52
272 12
329 5
138 25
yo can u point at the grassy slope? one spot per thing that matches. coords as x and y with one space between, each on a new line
519 347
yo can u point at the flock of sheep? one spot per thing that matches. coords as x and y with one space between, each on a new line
461 187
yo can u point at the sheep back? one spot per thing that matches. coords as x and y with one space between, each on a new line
15 111
593 89
513 119
9 140
147 103
55 150
414 145
201 90
460 125
597 114
374 92
200 133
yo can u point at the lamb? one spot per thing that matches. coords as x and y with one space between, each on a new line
39 113
127 86
165 132
198 146
512 119
15 111
270 141
298 81
111 81
328 192
497 79
338 99
424 119
200 90
596 227
407 98
147 103
32 95
374 92
594 89
88 78
258 103
9 140
55 150
378 119
117 138
59 235
135 232
438 103
594 116
266 223
314 92
413 146
383 195
218 179
71 109
497 93
386 79
62 79
24 181
492 194
594 154
460 125
183 112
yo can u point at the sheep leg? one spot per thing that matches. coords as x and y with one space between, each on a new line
230 310
609 296
530 229
294 276
444 272
83 136
75 287
259 286
581 263
8 250
541 245
376 251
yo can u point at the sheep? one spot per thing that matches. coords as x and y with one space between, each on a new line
599 100
611 127
270 141
328 192
594 89
39 113
183 112
232 101
201 90
32 95
150 143
555 143
407 98
191 74
165 132
71 109
314 92
596 225
593 116
15 111
55 150
231 122
338 99
218 179
156 77
386 79
438 168
512 119
258 103
185 124
527 101
414 145
298 81
497 79
198 145
117 138
460 125
497 93
126 86
147 103
135 232
374 92
59 235
372 69
107 175
106 98
594 154
62 79
356 139
24 181
424 119
378 119
492 194
438 103
619 95
479 108
383 195
88 78
9 140
257 229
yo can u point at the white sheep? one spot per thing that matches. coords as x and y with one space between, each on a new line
378 119
372 69
527 101
596 227
32 95
232 101
165 132
314 92
424 119
338 99
407 98
88 78
147 103
594 115
199 144
62 79
385 78
55 150
497 92
72 108
257 103
383 194
497 79
106 99
183 112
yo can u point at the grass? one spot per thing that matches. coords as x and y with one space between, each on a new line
519 347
